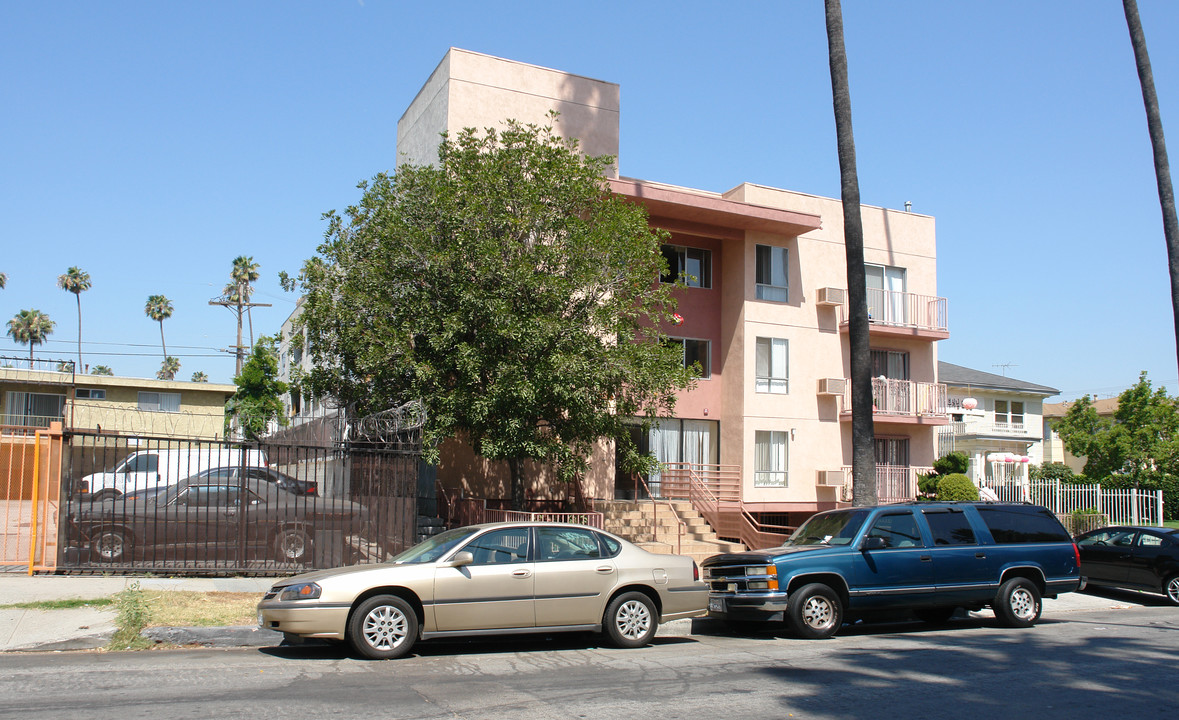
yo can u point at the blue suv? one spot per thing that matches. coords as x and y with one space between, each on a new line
928 557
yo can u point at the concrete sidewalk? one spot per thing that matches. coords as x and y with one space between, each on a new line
88 628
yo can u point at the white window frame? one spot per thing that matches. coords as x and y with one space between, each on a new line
162 402
774 283
683 253
90 393
774 375
770 466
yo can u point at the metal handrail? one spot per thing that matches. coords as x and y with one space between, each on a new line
682 526
592 519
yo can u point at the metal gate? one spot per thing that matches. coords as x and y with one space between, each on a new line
153 504
30 470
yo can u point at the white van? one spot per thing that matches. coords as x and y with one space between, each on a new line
147 469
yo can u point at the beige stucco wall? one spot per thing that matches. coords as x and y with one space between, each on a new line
470 89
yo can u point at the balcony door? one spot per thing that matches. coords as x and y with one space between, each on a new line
886 294
892 393
892 469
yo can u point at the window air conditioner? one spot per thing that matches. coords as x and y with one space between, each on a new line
831 296
830 478
831 386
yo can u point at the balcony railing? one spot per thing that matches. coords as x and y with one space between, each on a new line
904 310
894 483
986 428
903 398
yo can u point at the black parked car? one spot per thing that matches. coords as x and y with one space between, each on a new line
230 475
1136 558
215 517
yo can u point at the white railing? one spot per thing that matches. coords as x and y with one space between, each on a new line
907 398
903 309
1121 506
593 519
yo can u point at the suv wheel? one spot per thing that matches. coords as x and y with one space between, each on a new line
815 611
1018 603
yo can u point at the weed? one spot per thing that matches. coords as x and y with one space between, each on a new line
133 616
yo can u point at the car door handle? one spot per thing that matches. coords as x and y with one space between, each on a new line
521 573
926 558
981 555
604 569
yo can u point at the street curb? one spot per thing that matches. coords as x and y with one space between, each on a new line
224 636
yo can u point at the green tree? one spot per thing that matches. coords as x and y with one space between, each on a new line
101 370
509 291
1140 442
30 327
159 308
863 428
258 399
199 376
168 368
244 273
77 281
1162 166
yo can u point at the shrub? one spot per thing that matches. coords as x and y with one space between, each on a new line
955 463
1054 471
956 486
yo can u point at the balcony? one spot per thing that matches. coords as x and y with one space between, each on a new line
894 483
903 401
902 314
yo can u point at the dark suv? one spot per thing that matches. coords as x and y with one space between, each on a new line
931 558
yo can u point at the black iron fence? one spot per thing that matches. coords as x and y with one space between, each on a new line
144 504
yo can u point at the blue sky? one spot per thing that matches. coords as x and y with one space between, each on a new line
151 143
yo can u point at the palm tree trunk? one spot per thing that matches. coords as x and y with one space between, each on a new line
1162 167
30 354
162 345
78 296
863 432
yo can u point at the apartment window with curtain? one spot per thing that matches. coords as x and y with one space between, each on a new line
771 273
891 364
886 294
770 453
772 366
25 409
159 402
694 265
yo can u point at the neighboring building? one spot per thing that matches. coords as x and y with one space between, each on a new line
293 355
997 421
1054 450
766 316
112 404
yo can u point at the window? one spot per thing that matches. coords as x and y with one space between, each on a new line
553 543
500 547
33 409
886 294
898 531
772 366
949 527
159 402
1018 524
90 393
1009 412
693 265
769 458
696 352
142 463
771 274
891 364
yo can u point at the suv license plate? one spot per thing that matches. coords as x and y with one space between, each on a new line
716 604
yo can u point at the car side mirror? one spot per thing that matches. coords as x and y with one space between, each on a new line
874 543
462 558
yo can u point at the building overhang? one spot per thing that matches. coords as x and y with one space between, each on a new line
696 212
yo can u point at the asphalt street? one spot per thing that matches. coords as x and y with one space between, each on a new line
1107 662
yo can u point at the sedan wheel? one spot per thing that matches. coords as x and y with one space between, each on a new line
1172 589
631 620
383 627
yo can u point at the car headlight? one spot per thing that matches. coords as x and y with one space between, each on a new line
766 570
302 591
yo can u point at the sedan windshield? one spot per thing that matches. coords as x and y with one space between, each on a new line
435 547
837 527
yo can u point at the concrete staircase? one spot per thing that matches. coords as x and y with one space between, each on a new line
635 522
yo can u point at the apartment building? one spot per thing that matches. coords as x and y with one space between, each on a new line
765 313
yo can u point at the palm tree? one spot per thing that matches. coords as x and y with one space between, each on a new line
863 432
199 376
30 327
168 368
3 280
1162 166
101 370
159 308
77 281
244 273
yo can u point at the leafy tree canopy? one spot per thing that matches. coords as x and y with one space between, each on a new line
508 290
1140 441
258 399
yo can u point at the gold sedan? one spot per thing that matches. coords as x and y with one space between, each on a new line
491 579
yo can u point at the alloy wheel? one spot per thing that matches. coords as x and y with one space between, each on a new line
633 619
385 627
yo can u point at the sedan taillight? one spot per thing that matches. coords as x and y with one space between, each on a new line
695 572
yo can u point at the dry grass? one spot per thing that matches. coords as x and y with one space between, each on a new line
184 608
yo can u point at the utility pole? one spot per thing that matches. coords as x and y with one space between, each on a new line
238 307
